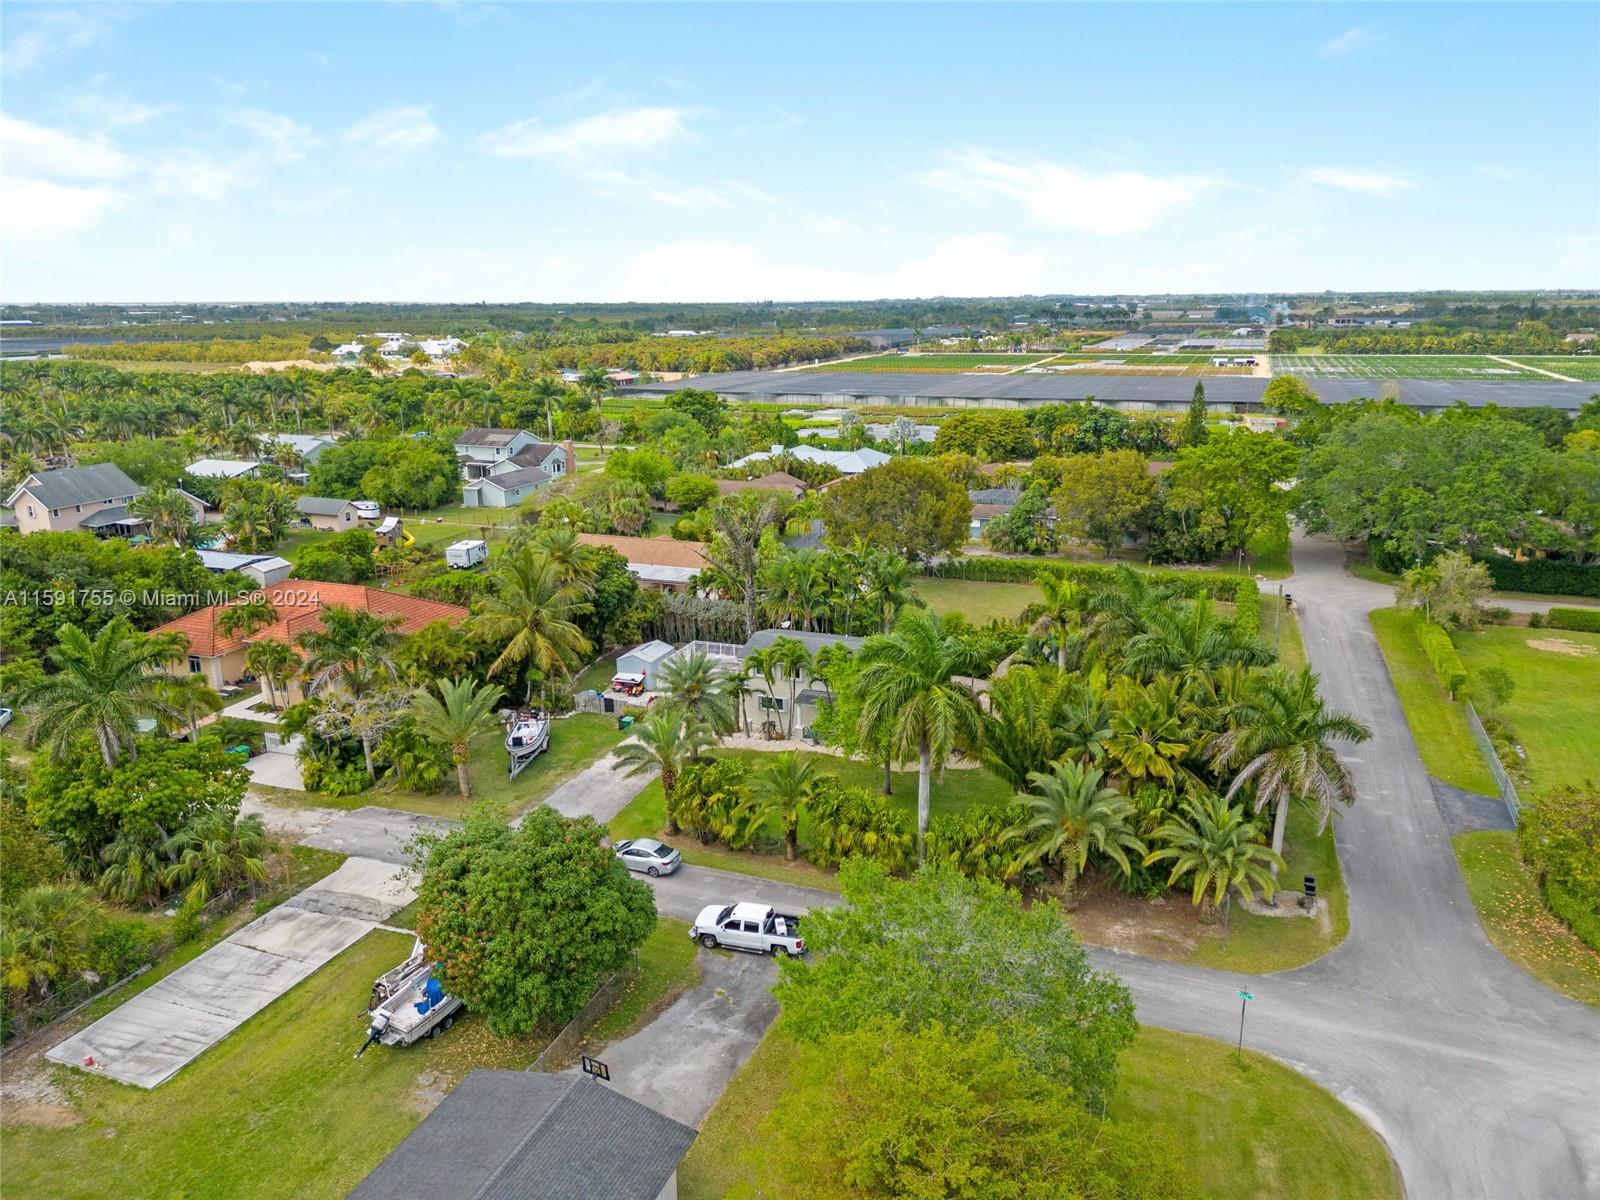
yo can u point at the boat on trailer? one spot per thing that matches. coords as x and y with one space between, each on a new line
408 1004
527 737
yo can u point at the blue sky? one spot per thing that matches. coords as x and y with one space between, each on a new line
606 152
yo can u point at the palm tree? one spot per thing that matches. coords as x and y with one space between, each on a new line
1281 741
247 526
169 517
272 662
1060 614
215 853
695 685
533 614
134 867
1190 642
192 697
460 712
1149 735
764 663
886 580
783 788
664 742
1073 814
909 690
901 430
1220 847
101 687
546 391
576 562
354 646
44 935
1023 725
245 617
791 654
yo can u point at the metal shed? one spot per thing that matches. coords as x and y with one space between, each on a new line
645 660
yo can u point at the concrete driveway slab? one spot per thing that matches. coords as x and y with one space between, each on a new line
294 933
274 769
380 833
597 791
362 888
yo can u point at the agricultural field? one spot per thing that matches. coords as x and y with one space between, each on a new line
1399 366
1586 367
935 364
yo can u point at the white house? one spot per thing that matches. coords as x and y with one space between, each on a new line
265 569
309 446
478 449
437 348
507 489
349 350
222 468
846 462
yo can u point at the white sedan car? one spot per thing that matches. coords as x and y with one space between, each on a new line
648 855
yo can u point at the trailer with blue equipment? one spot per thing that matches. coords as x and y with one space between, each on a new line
409 1004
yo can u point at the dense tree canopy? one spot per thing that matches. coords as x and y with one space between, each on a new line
905 504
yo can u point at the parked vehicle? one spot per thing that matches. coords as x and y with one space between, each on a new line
408 1004
648 855
750 926
463 556
5 717
629 684
367 510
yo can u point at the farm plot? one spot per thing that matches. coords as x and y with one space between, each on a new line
1586 367
938 364
1398 366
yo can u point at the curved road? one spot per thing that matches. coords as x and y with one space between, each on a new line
1484 1082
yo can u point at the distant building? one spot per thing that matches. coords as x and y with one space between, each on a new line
774 481
222 468
307 446
328 513
885 339
846 462
504 489
480 448
987 504
93 498
264 569
664 563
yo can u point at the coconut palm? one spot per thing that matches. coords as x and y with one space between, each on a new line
460 712
273 662
243 618
909 691
783 788
1281 742
1218 846
532 614
215 853
354 647
1189 641
1060 615
663 742
1072 814
168 516
576 562
100 688
696 686
191 697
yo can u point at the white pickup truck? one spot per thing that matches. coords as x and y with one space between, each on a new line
748 926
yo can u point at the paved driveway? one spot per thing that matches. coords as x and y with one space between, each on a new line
149 1038
597 791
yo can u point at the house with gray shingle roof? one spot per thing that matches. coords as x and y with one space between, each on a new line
94 499
527 1135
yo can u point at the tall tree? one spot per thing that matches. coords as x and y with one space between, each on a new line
1105 497
741 522
462 710
783 788
100 688
273 662
1194 429
909 688
665 743
354 647
533 616
907 504
696 686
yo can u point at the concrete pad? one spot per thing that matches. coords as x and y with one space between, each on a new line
295 824
362 888
149 1040
276 769
230 981
298 934
1469 812
597 791
381 833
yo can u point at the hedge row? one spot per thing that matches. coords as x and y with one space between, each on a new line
1551 577
1021 570
1579 912
1247 607
1585 620
1441 652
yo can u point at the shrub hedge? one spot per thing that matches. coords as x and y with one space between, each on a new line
1441 652
1247 607
1584 620
1016 570
1553 577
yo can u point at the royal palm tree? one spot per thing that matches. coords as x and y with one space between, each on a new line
273 662
532 614
909 691
663 742
1217 845
215 853
354 646
1281 741
460 712
243 618
696 686
1072 814
100 688
783 788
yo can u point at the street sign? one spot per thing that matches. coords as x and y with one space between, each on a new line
593 1066
1245 995
1244 999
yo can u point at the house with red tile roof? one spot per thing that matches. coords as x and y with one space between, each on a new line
298 606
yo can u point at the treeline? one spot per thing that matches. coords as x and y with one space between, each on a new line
1529 337
619 349
230 350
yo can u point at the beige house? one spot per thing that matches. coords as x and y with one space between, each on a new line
328 513
92 499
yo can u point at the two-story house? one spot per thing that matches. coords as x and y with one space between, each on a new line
94 499
496 478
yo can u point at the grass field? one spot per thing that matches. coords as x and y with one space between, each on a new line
978 602
1514 915
1398 366
279 1108
1586 367
1555 710
1253 1132
1438 725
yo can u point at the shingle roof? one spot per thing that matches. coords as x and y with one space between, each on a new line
524 1135
321 506
773 481
93 484
658 552
521 477
533 456
299 603
117 514
482 436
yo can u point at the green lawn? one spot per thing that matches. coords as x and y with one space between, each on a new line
1256 1130
1555 710
1291 646
978 602
575 742
1514 915
1268 553
1438 725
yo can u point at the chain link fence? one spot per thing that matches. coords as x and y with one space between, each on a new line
1508 792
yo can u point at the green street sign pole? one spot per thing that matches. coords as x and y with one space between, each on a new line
1244 999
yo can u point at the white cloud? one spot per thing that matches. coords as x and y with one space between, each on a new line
114 111
984 264
396 129
286 139
37 208
199 176
54 31
1357 37
1065 197
619 131
1497 171
1362 180
31 149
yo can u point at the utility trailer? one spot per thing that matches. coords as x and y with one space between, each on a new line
408 1004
